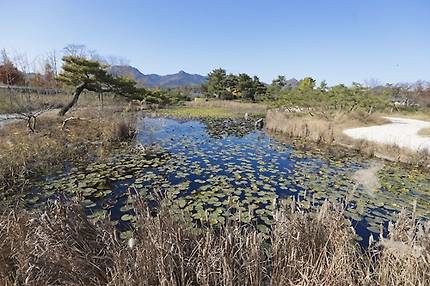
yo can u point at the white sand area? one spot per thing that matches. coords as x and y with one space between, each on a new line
402 132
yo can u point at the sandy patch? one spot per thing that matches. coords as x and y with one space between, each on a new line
402 132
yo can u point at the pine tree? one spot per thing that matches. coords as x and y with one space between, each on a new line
84 74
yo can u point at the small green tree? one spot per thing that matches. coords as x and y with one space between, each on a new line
323 86
231 85
279 82
84 74
246 86
260 89
306 84
216 85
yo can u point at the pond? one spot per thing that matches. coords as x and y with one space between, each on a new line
217 170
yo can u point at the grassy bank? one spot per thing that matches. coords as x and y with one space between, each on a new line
86 135
12 101
61 247
217 109
233 106
319 129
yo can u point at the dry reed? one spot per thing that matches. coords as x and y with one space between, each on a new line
12 101
60 247
87 135
329 132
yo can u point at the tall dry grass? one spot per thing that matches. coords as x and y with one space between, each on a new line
60 247
87 135
328 131
301 126
15 101
405 259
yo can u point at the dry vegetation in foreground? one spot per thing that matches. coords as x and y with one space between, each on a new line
329 131
87 135
61 247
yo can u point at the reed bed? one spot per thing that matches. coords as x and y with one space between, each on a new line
328 131
86 135
301 126
61 247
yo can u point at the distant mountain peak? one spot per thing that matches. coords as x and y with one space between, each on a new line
179 79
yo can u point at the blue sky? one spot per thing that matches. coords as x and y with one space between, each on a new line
338 41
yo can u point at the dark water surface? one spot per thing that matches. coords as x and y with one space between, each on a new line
215 175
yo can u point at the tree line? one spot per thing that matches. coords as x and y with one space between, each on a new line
84 69
306 94
229 86
16 71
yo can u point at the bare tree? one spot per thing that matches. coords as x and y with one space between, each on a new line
9 74
82 51
75 50
116 61
52 60
22 62
372 82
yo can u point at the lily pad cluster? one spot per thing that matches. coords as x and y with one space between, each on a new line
410 186
239 127
102 188
216 176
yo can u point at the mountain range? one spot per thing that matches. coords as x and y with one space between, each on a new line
180 79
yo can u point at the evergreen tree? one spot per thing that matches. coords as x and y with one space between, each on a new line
246 86
84 74
260 89
280 81
216 86
306 84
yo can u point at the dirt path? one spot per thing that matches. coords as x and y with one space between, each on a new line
7 119
402 132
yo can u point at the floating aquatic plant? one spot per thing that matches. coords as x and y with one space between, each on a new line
215 176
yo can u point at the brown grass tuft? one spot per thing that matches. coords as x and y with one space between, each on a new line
405 255
295 125
59 247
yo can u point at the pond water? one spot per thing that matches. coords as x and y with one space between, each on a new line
216 173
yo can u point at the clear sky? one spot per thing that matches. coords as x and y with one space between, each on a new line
339 41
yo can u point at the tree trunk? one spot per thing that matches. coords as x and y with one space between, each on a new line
76 95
